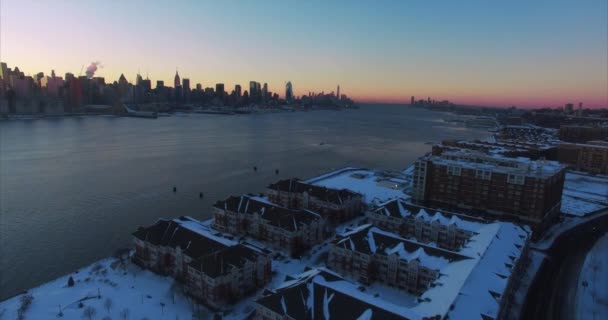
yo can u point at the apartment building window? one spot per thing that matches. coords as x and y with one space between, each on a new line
483 174
454 170
516 179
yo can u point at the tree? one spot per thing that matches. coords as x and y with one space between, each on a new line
89 312
108 304
124 314
70 282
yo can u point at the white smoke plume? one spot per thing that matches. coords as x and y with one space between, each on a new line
92 68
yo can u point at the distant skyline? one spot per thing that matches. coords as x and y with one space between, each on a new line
522 53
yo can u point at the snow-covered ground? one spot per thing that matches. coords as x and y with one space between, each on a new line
105 289
592 291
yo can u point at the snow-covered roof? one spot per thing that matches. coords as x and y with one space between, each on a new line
375 186
399 208
494 163
471 282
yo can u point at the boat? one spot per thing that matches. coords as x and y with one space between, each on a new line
132 112
481 122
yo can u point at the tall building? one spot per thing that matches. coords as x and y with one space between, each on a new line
413 100
160 84
255 91
176 81
569 108
199 87
186 89
265 91
219 89
338 92
288 91
237 90
519 188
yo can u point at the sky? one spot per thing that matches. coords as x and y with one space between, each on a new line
541 53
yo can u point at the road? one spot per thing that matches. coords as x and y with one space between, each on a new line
553 293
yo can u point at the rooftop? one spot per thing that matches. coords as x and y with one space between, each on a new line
495 163
399 208
375 186
371 240
322 294
295 185
281 217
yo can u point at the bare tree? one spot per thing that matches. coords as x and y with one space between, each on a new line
89 312
124 314
106 318
108 304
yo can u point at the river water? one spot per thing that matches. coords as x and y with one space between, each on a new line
73 189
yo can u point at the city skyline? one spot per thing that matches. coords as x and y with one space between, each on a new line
522 54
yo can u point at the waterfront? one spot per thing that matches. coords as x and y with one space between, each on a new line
73 189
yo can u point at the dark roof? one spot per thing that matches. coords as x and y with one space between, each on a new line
359 241
221 262
297 301
170 233
295 185
275 215
392 208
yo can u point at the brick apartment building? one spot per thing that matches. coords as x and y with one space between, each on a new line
446 230
369 254
591 156
582 133
335 206
292 230
213 272
518 188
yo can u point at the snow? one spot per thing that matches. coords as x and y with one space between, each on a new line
204 229
139 291
283 305
520 293
584 194
579 207
375 186
366 315
592 292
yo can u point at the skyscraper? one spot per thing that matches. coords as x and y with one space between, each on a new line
219 89
186 89
338 91
177 82
237 90
265 92
413 100
288 91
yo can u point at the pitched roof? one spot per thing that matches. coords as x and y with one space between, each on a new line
371 240
170 233
281 217
296 185
399 208
221 262
325 295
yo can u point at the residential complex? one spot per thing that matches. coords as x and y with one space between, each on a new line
214 270
370 254
449 231
516 188
334 205
591 156
292 230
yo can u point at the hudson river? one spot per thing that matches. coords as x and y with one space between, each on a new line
72 190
